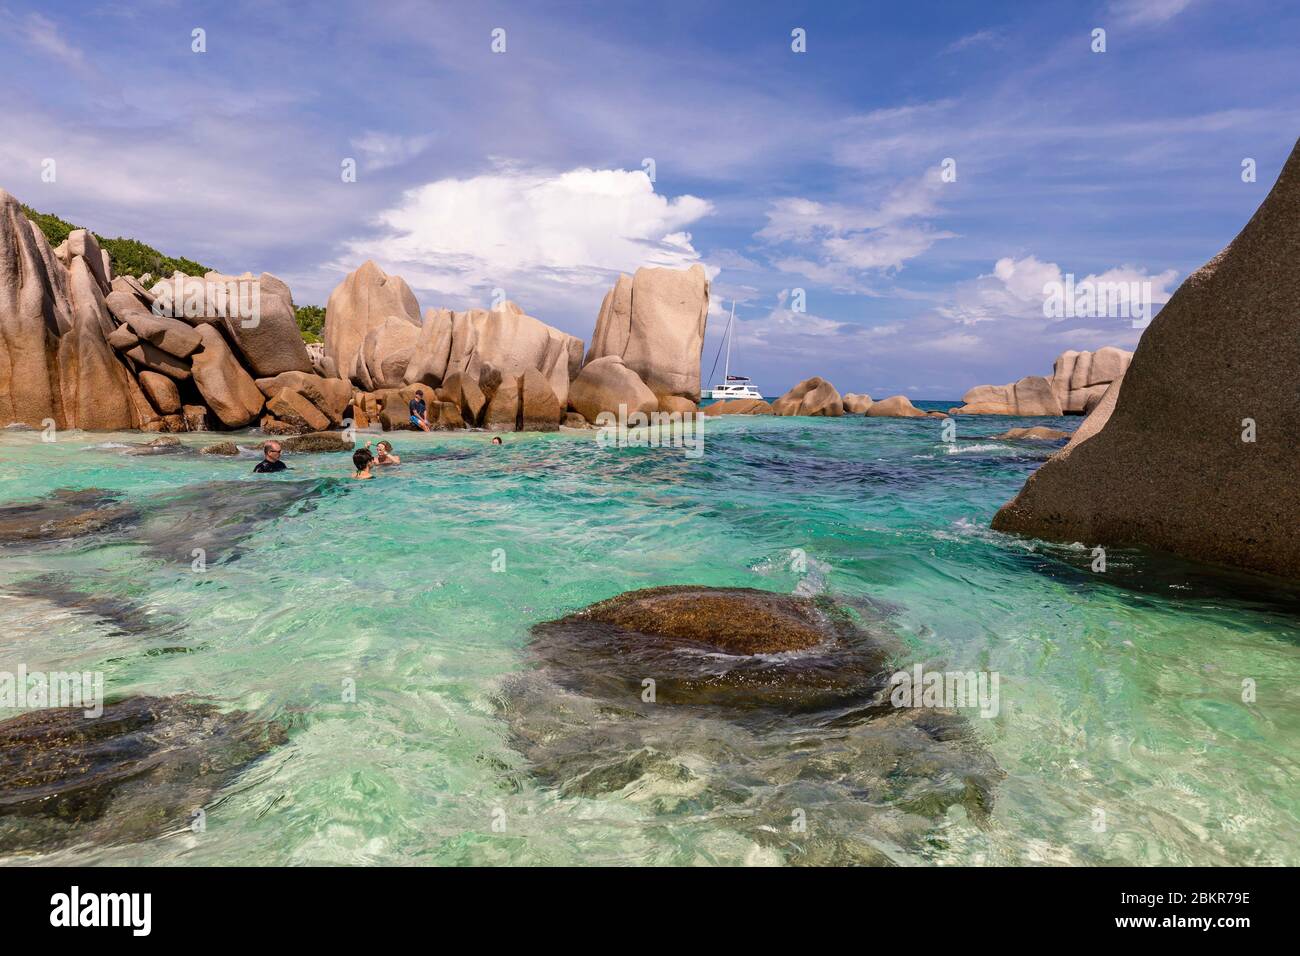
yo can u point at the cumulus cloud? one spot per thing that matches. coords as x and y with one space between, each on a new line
1018 288
533 234
836 244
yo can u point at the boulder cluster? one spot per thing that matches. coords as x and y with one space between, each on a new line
819 398
83 350
1079 380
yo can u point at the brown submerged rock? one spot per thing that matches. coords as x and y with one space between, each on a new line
725 707
1037 433
138 770
735 620
64 513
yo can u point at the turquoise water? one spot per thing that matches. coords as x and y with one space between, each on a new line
1121 692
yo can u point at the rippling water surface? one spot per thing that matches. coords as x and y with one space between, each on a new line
1122 736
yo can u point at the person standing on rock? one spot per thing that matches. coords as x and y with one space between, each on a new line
270 459
417 411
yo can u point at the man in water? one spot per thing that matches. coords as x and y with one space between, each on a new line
417 411
361 459
496 440
270 459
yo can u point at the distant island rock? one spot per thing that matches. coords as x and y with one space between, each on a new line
1078 381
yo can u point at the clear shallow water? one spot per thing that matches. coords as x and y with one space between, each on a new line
1119 692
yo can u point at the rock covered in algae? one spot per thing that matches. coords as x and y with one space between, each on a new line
729 709
64 513
140 769
734 647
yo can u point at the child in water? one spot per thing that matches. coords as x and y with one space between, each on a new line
385 454
361 459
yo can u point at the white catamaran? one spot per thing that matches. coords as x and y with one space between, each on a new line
733 386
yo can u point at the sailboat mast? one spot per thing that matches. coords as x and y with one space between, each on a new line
726 374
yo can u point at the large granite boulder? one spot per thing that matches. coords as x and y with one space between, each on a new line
172 336
227 389
1214 482
539 409
507 339
605 384
812 396
55 361
1032 395
739 406
269 342
362 302
385 353
856 404
503 408
655 322
466 394
331 395
161 392
1082 377
293 409
896 406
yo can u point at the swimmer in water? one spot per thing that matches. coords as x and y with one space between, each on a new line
270 459
361 459
496 440
384 453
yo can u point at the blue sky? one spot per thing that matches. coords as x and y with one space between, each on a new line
778 171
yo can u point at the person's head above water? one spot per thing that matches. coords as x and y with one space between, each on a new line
361 459
270 459
386 447
496 439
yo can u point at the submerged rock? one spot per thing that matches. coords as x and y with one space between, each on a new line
64 513
316 442
140 769
120 614
1037 433
164 445
732 708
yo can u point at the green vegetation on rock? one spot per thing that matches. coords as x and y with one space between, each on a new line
131 257
311 322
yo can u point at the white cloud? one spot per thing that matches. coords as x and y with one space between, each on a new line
383 150
838 243
980 38
533 234
43 34
1144 12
